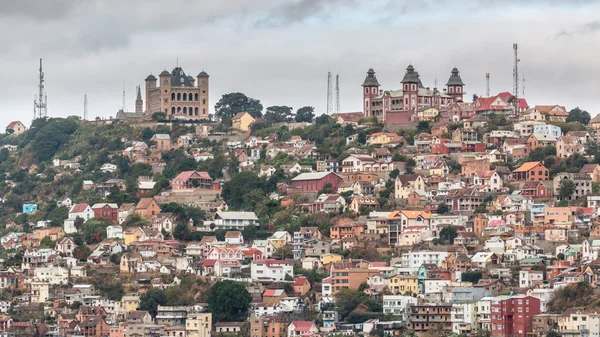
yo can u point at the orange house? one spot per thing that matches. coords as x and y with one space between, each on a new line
554 215
533 170
345 230
469 168
301 286
480 222
147 208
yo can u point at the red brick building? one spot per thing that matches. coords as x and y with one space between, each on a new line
106 211
511 316
316 181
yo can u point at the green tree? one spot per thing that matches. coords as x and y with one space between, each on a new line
566 188
94 230
81 252
233 103
229 301
305 114
47 242
447 234
151 299
578 115
361 138
234 190
443 208
51 137
279 114
472 277
182 231
159 116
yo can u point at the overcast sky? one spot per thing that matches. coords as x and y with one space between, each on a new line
279 51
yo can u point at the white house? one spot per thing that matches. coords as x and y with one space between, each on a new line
114 232
83 211
264 246
397 305
490 179
300 328
66 246
234 238
495 245
416 259
108 168
266 170
274 270
234 220
529 278
53 275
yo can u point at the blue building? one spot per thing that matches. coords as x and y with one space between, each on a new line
29 208
548 129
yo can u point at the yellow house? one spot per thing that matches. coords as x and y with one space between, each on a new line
133 234
242 121
331 258
427 114
402 284
382 137
130 303
54 233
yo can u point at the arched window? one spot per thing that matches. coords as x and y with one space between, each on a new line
191 111
204 101
196 111
204 113
178 109
185 110
172 96
184 96
179 96
374 90
366 90
172 110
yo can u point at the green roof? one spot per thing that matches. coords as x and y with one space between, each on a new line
532 260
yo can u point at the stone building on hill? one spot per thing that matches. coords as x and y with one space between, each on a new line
178 95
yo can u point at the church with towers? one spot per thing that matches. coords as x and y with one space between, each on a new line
412 99
178 95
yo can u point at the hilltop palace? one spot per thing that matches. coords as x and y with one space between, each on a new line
178 95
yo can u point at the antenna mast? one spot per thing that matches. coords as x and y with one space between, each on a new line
123 107
40 104
85 110
329 94
337 93
487 84
516 73
523 85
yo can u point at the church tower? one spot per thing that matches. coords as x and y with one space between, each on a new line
139 104
150 85
410 89
455 86
370 90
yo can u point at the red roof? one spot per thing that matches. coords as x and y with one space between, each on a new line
186 175
78 208
300 281
378 264
9 126
208 263
302 325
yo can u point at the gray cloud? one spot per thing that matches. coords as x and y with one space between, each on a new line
298 11
279 51
38 10
590 27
